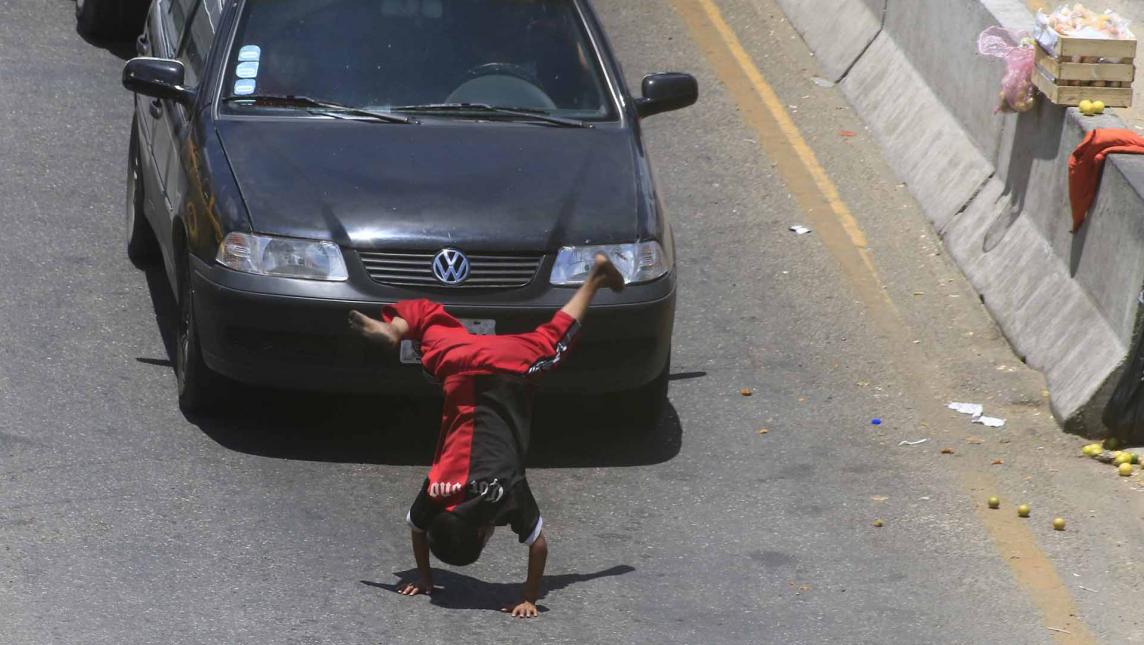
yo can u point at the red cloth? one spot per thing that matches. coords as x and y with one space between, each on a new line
458 360
1087 162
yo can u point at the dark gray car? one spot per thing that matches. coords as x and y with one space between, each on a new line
295 159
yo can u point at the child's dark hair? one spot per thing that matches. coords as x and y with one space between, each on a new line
454 540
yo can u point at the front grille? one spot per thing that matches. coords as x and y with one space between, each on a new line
487 271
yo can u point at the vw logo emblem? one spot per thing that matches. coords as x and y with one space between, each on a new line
451 267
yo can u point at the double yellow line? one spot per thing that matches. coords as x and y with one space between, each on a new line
818 197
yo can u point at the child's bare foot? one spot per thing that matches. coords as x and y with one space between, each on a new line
374 330
607 274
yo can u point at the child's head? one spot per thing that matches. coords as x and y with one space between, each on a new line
456 540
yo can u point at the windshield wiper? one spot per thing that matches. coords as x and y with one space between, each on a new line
526 113
316 106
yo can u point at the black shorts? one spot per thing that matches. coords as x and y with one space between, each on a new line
485 504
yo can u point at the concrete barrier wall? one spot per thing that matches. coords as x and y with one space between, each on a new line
996 186
837 31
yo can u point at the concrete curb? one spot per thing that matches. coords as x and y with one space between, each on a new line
995 187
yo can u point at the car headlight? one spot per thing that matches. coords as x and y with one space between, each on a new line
637 262
282 257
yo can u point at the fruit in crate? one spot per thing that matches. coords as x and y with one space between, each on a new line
1082 22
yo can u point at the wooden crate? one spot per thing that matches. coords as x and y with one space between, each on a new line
1096 47
1065 80
1074 94
1108 72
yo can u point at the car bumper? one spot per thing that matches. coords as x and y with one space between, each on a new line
298 341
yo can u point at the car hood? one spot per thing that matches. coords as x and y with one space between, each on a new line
481 187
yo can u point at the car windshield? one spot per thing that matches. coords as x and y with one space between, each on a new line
385 54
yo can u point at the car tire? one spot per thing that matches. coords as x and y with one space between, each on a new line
110 19
200 388
142 247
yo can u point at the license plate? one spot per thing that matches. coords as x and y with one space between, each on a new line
410 353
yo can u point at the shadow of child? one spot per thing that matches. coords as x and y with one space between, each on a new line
453 590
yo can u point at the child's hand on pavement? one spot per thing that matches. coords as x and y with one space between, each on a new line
524 609
415 588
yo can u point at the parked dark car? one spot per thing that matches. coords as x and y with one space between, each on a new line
111 19
291 160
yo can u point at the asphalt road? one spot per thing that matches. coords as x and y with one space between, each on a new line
123 522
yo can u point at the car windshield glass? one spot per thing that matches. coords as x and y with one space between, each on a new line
382 54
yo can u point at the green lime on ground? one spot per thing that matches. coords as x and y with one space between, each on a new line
994 502
1111 443
1125 470
1059 524
1023 510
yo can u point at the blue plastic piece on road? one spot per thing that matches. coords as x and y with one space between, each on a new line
875 421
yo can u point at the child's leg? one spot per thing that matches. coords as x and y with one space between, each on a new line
603 274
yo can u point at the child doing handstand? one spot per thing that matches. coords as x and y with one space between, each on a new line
477 478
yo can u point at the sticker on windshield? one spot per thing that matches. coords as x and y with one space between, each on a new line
246 70
249 53
244 86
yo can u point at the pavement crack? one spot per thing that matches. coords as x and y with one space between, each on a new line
965 205
866 47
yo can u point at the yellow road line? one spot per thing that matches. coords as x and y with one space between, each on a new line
1030 566
786 125
843 238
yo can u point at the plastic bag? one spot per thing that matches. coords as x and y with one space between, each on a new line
1016 48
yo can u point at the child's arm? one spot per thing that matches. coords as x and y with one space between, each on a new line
537 557
421 554
603 274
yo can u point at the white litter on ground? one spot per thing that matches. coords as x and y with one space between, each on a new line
800 229
975 410
972 409
912 443
992 422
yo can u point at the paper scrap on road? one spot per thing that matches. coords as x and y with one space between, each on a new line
991 422
799 229
911 443
822 82
972 409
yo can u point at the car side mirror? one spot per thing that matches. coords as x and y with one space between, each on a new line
159 78
666 92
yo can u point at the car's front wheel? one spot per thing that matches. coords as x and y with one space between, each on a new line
200 388
142 247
